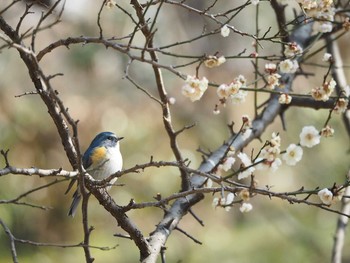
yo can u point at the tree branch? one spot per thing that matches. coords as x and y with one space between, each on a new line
339 76
47 94
123 220
185 185
339 236
181 206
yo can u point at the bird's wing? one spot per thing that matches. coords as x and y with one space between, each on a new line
96 156
71 183
87 161
92 155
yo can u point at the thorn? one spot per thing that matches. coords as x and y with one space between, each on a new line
5 153
200 150
158 197
284 126
230 126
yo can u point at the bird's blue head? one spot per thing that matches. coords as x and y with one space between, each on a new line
106 139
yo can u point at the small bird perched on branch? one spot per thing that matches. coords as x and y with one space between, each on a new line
101 159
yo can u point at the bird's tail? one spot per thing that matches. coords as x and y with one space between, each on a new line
75 203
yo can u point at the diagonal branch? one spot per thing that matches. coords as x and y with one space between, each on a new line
339 76
173 216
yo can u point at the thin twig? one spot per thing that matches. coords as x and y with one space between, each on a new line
12 241
188 235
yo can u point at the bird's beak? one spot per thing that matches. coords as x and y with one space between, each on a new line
120 138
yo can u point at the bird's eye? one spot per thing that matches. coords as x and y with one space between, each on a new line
111 138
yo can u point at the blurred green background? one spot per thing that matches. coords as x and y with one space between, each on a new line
94 90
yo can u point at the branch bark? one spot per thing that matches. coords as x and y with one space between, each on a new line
339 236
180 207
339 76
148 34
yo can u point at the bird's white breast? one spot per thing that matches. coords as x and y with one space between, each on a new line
111 164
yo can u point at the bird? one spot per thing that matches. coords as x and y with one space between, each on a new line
101 159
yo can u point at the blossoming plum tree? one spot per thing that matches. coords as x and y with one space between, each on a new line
227 174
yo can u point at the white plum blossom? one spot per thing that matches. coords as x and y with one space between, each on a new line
327 131
224 202
225 31
172 100
292 49
218 201
293 154
271 166
244 194
285 99
233 91
270 152
246 162
246 207
213 61
227 164
273 80
288 66
216 111
234 87
222 91
324 19
341 105
239 97
270 68
194 88
323 13
110 4
275 164
324 92
275 140
244 159
240 78
327 57
231 151
229 200
309 136
326 196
